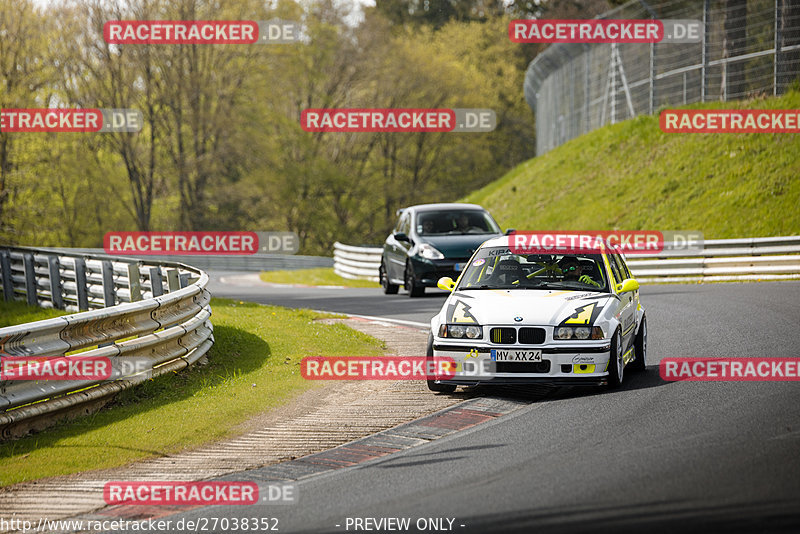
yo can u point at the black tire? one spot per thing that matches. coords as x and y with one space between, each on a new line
388 287
412 286
640 348
616 367
432 385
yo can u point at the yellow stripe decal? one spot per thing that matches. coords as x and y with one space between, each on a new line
628 329
625 356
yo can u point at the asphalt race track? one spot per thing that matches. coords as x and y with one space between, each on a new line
651 457
352 301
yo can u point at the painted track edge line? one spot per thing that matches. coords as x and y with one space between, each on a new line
421 326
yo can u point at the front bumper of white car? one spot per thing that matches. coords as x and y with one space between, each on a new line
559 363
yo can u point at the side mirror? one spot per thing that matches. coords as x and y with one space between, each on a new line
510 231
400 236
627 285
446 283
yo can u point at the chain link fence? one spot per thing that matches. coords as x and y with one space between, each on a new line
749 48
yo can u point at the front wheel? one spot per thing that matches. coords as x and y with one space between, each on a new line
388 287
616 367
432 385
414 288
640 348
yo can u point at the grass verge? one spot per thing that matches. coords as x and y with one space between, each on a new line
18 312
253 366
323 276
632 176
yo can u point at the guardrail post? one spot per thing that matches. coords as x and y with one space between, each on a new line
54 268
156 281
704 51
173 280
778 41
586 88
651 99
184 279
134 283
80 284
109 296
8 282
30 279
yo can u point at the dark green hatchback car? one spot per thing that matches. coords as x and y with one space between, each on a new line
430 241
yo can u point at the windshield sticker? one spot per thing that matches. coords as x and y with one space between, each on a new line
499 252
478 262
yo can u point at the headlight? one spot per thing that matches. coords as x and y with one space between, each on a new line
460 331
578 332
429 253
457 330
563 332
474 332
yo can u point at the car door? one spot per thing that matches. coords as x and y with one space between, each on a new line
403 247
628 301
634 294
397 250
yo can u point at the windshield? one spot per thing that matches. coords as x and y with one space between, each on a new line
499 268
454 222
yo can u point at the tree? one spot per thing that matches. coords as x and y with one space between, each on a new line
203 97
99 75
26 72
437 13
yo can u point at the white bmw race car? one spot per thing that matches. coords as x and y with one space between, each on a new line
563 319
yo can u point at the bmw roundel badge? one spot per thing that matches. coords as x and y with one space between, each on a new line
518 319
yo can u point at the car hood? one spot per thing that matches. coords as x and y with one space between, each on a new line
535 307
456 245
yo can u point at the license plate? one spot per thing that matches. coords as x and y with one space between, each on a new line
499 355
457 267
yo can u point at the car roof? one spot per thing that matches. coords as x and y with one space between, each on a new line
442 206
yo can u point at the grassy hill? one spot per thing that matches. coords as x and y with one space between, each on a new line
632 176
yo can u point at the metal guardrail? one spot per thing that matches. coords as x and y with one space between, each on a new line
249 263
356 262
130 311
756 258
